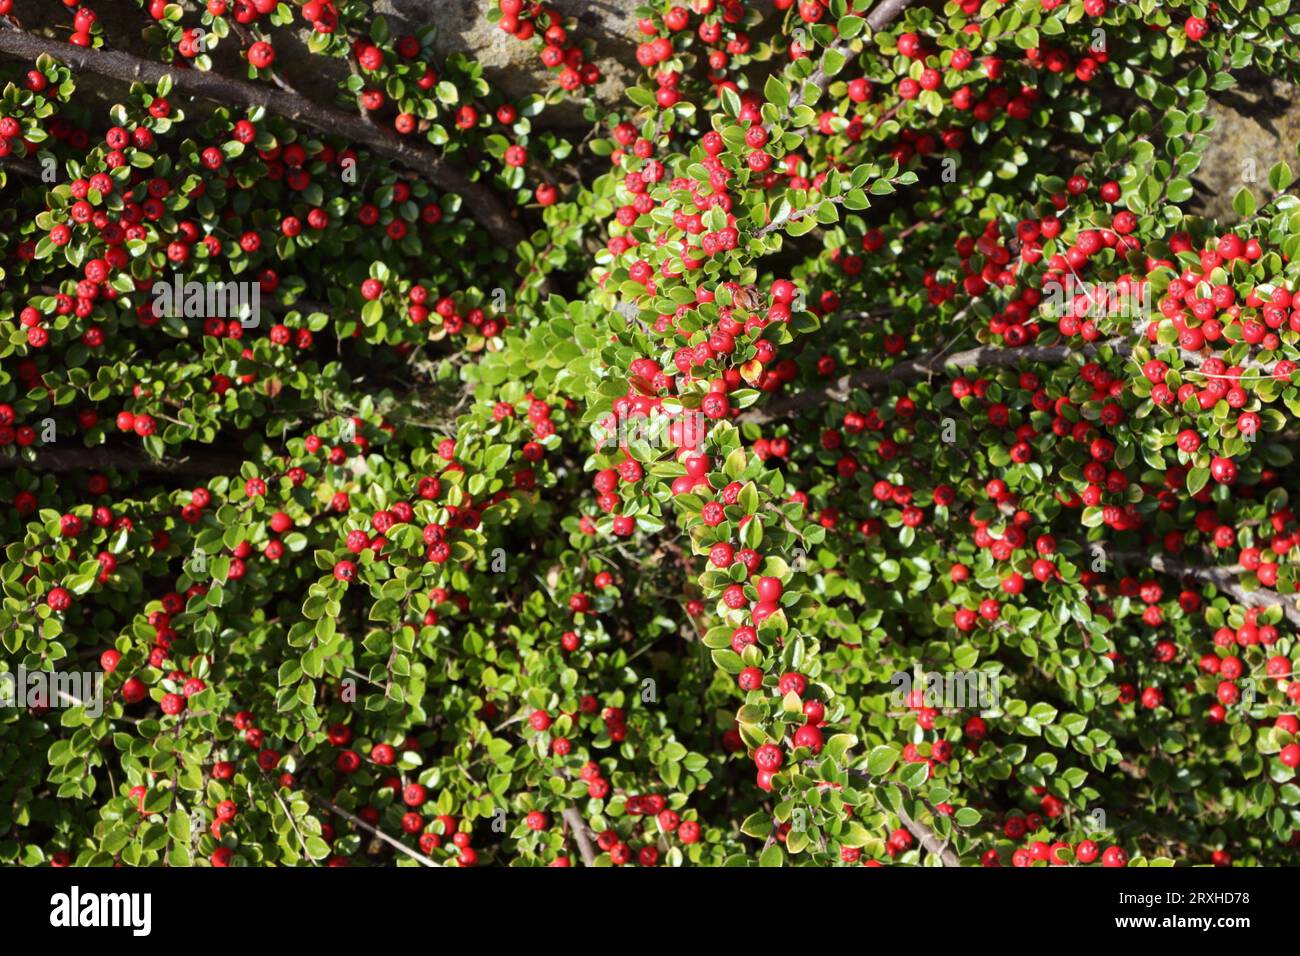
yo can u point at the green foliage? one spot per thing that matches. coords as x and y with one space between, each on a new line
354 554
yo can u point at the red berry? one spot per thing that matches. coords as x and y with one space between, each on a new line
134 691
261 55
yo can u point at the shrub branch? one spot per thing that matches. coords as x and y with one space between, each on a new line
374 831
929 840
482 203
578 827
985 356
1225 578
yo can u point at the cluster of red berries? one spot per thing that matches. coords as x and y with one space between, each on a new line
719 28
526 20
429 833
134 690
474 320
12 141
467 516
1038 851
769 758
652 808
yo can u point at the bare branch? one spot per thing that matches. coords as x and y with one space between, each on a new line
1225 578
375 832
580 834
20 166
881 16
885 13
985 356
929 841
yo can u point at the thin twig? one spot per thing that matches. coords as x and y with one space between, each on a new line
374 831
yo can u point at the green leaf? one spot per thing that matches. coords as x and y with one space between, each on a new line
882 759
850 26
1280 177
776 92
730 102
1244 202
728 660
757 825
495 458
838 745
833 61
1179 190
914 774
855 835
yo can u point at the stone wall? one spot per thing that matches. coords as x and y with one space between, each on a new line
514 66
1256 126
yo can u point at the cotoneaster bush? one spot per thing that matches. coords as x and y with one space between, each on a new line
587 495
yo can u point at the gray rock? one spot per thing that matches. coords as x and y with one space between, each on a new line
1256 126
514 67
